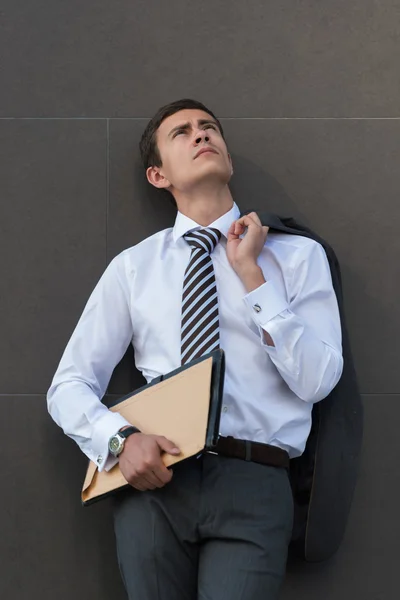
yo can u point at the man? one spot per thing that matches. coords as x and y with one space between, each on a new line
217 527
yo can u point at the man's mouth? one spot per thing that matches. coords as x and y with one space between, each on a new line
204 150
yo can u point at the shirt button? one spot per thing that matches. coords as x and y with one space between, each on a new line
257 308
99 459
225 409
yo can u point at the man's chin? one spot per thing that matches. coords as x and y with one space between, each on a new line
212 177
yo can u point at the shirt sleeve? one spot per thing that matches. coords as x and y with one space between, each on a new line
305 327
98 343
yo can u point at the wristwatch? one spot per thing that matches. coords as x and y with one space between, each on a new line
116 442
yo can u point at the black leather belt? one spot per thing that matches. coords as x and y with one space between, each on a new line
252 451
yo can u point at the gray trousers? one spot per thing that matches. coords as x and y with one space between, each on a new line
220 529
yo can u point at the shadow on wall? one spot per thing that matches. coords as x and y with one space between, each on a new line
253 187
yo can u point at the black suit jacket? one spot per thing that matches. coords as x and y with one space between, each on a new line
324 477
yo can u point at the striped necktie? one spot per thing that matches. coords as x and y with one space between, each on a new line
200 322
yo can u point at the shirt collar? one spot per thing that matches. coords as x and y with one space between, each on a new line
184 224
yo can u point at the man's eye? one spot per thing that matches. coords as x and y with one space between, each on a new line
212 127
179 132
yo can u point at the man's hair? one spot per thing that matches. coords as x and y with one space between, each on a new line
148 143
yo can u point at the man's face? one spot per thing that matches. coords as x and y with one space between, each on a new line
192 152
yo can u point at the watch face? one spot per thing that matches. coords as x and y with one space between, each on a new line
115 444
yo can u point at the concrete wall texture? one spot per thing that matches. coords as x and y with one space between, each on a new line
309 95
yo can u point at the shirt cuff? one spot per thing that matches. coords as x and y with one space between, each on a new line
265 303
103 429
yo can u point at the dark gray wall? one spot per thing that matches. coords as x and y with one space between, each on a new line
310 99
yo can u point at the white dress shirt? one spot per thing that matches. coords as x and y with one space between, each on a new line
269 390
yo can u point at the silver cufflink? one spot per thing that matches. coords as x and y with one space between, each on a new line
99 459
257 308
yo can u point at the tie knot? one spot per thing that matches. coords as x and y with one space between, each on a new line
206 239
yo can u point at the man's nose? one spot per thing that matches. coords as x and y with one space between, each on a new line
202 136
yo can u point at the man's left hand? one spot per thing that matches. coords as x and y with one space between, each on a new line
243 252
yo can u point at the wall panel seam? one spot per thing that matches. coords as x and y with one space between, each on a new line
107 184
55 118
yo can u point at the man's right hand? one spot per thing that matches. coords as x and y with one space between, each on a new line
141 464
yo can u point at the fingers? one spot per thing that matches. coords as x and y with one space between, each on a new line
163 474
236 229
151 482
244 222
251 220
157 475
231 230
232 234
166 445
141 462
138 486
254 217
240 227
142 484
150 478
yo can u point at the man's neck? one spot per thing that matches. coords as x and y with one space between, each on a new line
205 207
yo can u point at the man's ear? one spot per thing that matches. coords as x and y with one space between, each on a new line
156 178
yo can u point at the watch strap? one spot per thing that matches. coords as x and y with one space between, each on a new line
128 431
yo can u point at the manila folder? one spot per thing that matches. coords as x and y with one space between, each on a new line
176 408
